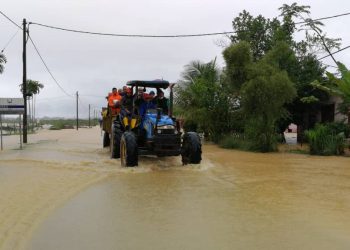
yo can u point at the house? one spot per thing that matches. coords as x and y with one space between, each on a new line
329 111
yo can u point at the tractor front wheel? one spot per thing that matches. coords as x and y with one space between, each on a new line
191 150
128 150
115 142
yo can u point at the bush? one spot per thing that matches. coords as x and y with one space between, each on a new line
324 141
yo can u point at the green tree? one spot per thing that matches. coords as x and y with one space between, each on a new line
33 87
200 97
301 70
2 62
264 97
257 31
194 93
238 58
298 58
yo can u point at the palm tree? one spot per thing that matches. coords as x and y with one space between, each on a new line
33 88
2 62
198 96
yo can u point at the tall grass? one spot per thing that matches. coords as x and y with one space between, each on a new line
324 141
237 141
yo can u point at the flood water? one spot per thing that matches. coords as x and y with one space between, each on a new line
63 192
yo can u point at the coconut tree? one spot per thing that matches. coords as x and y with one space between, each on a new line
2 62
200 97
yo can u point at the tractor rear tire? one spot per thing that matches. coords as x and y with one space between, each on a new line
106 140
115 143
128 150
191 150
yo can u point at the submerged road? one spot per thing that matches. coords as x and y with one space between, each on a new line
233 200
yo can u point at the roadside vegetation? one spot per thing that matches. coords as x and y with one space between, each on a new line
326 140
270 80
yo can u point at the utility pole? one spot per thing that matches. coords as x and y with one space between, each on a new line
24 88
77 110
89 117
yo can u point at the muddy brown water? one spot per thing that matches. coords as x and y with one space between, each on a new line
63 192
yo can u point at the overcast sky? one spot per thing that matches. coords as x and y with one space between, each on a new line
93 65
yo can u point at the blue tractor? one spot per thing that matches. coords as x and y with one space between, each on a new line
153 131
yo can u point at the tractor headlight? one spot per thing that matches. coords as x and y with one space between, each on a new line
166 129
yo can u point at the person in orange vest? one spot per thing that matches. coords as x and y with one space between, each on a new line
114 100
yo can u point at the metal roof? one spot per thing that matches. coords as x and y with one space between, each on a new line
149 84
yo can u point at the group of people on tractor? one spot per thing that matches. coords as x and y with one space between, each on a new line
124 102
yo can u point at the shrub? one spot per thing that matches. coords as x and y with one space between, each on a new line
324 141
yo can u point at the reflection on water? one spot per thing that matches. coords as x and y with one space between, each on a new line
233 200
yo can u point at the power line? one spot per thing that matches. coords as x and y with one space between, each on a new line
165 36
2 13
324 18
47 68
334 53
7 44
156 36
132 35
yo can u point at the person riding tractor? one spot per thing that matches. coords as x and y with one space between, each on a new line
114 101
127 109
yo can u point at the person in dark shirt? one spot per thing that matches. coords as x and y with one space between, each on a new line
123 91
127 101
138 97
152 96
127 107
162 102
